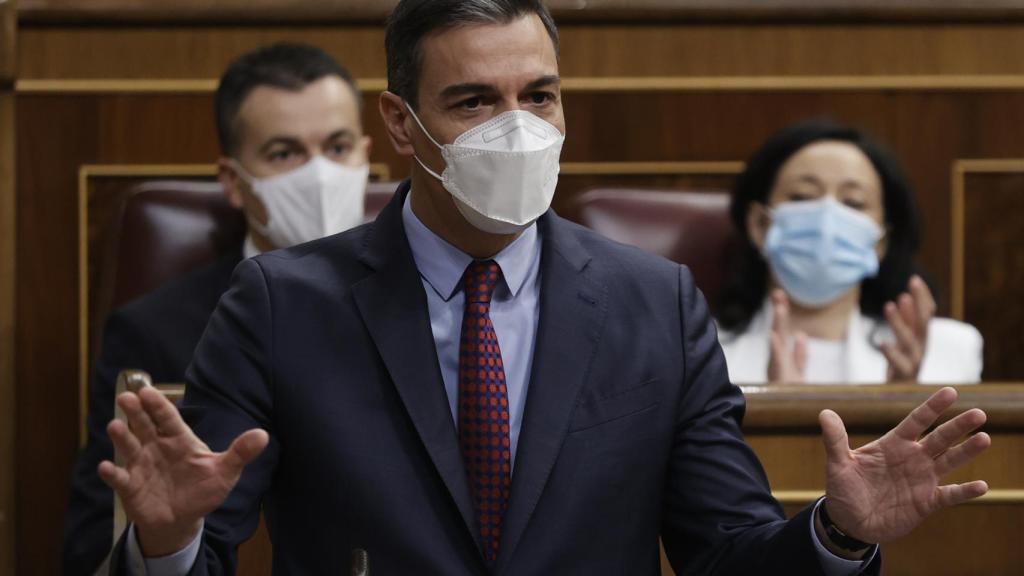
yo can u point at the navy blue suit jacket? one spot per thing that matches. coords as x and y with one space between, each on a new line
631 429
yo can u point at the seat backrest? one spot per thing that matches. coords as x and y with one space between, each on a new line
689 227
164 229
169 227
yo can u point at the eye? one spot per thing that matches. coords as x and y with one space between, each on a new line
473 103
800 196
541 98
280 155
338 149
855 204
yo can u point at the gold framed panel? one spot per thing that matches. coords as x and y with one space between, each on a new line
960 169
378 171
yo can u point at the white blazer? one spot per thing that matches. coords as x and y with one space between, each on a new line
952 354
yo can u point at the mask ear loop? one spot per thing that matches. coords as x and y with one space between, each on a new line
431 138
250 220
237 166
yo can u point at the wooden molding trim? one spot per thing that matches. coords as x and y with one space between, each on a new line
648 168
565 11
8 285
8 334
378 171
873 408
1001 496
583 84
961 168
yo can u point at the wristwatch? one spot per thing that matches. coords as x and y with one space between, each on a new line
837 536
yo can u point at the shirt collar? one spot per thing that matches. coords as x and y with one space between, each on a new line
249 248
442 265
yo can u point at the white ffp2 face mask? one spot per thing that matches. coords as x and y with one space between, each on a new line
318 199
502 173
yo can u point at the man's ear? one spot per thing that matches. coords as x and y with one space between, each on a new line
758 221
230 181
396 122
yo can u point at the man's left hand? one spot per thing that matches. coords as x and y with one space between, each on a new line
883 490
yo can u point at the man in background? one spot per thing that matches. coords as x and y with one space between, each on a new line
294 159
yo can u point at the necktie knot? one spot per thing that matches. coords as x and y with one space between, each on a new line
480 280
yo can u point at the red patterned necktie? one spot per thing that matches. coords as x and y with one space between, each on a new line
483 406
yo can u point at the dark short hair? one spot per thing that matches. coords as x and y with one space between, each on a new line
287 65
413 20
747 287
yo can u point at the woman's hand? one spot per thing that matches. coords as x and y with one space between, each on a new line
788 359
908 317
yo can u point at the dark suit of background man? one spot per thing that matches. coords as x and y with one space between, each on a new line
277 110
472 385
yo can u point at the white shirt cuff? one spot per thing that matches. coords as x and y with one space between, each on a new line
834 565
177 564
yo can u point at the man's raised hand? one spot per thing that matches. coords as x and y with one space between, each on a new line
170 479
883 490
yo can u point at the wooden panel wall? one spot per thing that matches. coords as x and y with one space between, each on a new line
8 218
992 275
683 54
694 92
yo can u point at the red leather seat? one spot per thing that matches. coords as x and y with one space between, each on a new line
689 227
169 227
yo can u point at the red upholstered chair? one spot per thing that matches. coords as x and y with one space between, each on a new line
689 227
169 227
164 229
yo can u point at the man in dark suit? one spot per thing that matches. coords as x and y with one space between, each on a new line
277 108
472 385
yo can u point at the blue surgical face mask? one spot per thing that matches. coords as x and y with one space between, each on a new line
818 250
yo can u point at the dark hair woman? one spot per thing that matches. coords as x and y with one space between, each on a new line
824 289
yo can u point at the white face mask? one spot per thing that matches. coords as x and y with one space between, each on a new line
502 173
318 199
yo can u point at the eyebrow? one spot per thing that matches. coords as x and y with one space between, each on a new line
292 141
845 184
809 179
456 90
544 82
343 133
283 140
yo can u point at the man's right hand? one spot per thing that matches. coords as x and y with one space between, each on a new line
170 479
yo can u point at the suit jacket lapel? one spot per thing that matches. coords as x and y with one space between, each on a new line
573 306
394 308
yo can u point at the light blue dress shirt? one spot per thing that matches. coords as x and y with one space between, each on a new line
515 309
515 312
